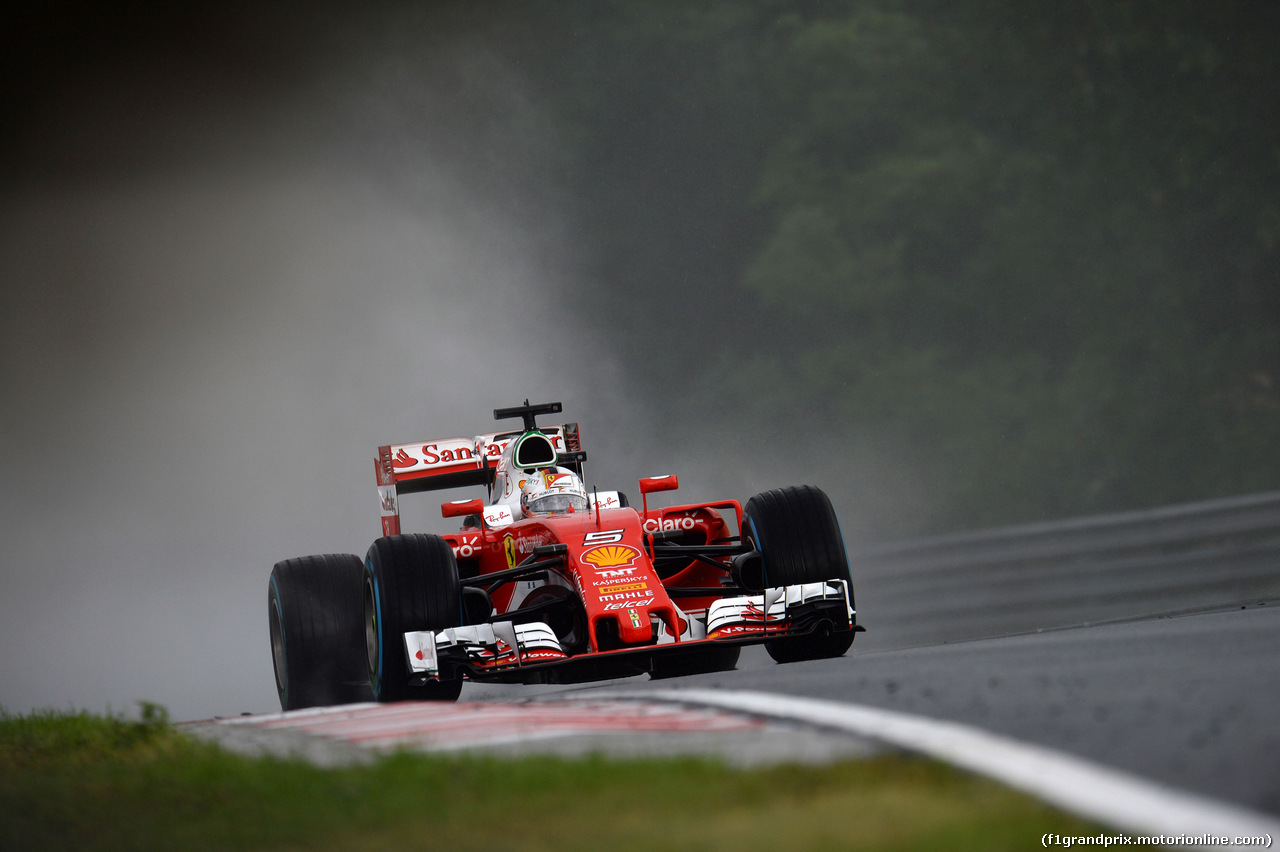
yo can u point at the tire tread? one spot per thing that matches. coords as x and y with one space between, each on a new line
799 535
417 580
320 616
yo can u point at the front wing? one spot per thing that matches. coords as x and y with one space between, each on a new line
531 653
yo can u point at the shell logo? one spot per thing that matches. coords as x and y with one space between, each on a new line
611 556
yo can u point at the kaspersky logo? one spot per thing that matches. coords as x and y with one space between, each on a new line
611 557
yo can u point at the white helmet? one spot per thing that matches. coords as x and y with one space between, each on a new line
552 491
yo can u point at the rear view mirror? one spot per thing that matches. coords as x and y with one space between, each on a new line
458 508
670 482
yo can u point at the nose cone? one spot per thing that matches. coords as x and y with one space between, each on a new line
634 627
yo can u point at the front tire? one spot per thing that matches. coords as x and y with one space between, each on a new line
796 531
410 583
317 641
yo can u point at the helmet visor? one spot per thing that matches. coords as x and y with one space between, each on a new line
556 504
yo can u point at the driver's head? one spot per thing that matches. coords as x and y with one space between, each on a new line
552 491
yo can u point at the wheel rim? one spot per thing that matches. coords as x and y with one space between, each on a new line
278 660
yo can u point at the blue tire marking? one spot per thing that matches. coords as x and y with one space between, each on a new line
848 567
755 536
377 606
376 676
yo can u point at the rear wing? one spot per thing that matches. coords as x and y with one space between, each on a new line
449 463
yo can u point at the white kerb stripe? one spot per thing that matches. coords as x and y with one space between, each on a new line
1119 799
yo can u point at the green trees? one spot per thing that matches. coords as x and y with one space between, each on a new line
1030 247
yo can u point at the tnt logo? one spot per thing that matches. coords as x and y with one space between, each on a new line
618 573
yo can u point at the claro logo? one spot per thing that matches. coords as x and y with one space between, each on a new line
466 547
654 525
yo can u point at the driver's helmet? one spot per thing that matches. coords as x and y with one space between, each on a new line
552 491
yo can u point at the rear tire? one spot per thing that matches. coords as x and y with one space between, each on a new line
410 583
796 531
317 640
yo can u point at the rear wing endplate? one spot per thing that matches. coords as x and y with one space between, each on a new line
449 463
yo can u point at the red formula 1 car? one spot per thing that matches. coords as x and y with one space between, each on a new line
547 583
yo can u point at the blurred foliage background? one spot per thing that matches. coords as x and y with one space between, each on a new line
1029 251
973 262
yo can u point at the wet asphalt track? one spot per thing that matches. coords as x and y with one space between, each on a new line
1190 701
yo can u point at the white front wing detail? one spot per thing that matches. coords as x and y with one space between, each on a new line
421 648
483 641
772 604
517 643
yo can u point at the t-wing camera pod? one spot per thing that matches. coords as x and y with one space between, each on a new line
527 412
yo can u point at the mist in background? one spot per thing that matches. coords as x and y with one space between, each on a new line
941 260
235 260
239 251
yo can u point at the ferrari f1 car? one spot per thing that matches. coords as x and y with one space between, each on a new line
547 583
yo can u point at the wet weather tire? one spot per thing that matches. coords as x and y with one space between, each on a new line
796 531
410 583
317 638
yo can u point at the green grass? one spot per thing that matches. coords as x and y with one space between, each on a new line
85 782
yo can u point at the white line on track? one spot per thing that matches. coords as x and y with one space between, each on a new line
1126 802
